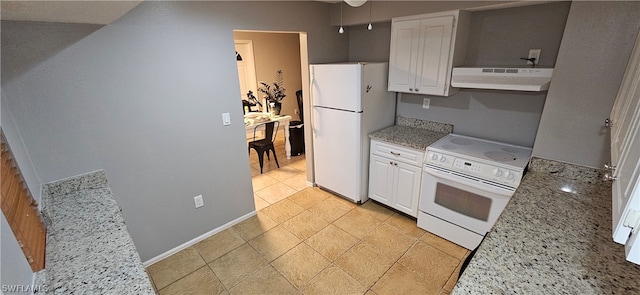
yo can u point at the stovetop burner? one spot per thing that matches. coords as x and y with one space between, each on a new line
462 141
500 156
449 147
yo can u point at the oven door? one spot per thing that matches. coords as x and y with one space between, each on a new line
465 202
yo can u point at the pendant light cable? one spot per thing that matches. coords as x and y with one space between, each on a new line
370 27
341 30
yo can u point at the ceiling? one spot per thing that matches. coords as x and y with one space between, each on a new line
86 12
104 12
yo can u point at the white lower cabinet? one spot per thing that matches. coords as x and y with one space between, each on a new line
381 179
394 176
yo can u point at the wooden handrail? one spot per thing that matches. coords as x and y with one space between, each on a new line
21 210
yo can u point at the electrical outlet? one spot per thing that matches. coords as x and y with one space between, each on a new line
198 200
534 53
426 102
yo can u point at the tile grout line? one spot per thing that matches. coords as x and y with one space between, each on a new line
205 264
219 280
333 263
395 262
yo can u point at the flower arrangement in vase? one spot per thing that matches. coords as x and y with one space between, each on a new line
274 94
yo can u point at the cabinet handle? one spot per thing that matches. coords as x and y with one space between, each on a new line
395 164
608 123
610 167
390 163
609 177
410 89
395 154
417 89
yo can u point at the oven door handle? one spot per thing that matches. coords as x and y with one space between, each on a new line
475 184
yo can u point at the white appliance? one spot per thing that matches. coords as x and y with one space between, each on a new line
348 101
519 79
466 184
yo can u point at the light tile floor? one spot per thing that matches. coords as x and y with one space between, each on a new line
307 241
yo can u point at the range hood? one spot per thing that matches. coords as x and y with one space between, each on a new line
501 78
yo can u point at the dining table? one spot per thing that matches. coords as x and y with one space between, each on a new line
253 119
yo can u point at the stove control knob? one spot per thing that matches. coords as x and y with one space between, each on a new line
497 172
434 156
509 175
443 158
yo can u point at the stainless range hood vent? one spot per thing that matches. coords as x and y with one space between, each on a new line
517 79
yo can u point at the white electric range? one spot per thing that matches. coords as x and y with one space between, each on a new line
466 183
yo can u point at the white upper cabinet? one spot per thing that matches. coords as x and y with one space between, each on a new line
424 49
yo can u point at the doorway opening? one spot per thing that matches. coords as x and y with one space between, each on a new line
276 57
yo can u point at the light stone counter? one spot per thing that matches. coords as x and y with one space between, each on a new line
554 237
89 250
413 133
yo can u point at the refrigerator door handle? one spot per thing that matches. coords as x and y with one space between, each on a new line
311 90
313 106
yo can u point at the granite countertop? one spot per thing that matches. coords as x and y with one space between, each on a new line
554 237
413 133
89 249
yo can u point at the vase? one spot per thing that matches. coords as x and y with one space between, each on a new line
275 108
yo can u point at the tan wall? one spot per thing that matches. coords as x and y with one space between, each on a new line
273 52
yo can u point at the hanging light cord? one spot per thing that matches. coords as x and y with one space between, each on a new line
341 30
369 27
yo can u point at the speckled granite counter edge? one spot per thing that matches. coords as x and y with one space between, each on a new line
50 190
553 232
413 133
73 184
565 170
410 137
89 249
424 124
40 280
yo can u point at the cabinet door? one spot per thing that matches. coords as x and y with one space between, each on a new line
403 60
625 146
626 186
625 105
407 188
434 55
381 176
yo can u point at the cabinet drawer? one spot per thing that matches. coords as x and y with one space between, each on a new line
397 153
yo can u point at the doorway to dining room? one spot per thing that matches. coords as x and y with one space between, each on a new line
276 57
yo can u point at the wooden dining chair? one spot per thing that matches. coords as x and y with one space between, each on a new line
265 144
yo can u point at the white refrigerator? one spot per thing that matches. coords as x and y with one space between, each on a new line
349 101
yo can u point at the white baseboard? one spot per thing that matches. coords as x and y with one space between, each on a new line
198 239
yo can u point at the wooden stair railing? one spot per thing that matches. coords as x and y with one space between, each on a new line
21 210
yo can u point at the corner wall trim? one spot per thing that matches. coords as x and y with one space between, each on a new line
198 239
